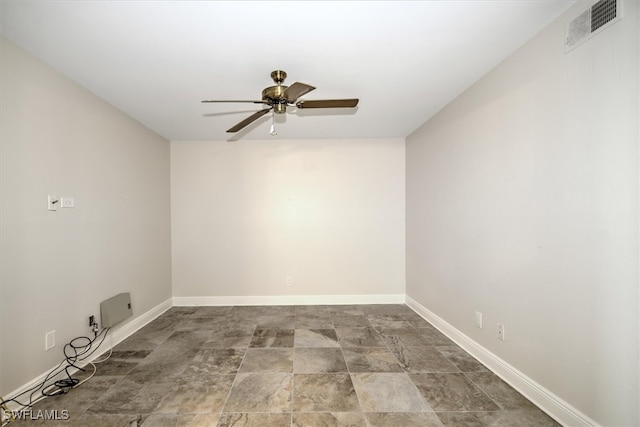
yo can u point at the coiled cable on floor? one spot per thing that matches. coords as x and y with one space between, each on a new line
76 351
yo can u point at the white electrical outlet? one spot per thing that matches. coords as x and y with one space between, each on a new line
478 319
49 340
500 332
67 202
289 280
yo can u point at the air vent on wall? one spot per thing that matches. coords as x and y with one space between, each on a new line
601 15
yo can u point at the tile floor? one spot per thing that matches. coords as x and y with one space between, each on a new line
361 365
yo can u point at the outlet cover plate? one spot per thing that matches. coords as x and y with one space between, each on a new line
500 332
49 340
478 319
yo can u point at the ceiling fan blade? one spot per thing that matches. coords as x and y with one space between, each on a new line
328 103
252 118
253 102
296 90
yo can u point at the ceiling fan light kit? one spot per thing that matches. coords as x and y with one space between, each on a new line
279 96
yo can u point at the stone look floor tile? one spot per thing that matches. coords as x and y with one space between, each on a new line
422 359
347 309
126 354
316 338
139 400
452 392
311 313
260 392
417 323
164 364
461 359
314 321
318 360
359 337
194 323
179 340
499 391
272 338
409 313
248 322
116 397
302 309
116 367
161 420
105 420
276 321
403 337
255 420
386 309
324 393
371 359
388 321
212 311
350 321
230 337
215 361
182 370
388 392
198 420
149 340
403 419
328 419
434 337
529 418
268 360
197 396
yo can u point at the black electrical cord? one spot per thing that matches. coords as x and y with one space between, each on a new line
77 350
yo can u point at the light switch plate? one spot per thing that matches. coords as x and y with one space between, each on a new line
52 203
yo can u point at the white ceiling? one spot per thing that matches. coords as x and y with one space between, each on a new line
156 60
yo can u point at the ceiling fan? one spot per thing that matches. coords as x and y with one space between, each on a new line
279 97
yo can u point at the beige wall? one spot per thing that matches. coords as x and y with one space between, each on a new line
522 203
247 214
57 138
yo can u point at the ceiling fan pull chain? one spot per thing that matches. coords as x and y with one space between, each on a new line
273 124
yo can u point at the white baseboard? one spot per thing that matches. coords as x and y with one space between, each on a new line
117 335
289 300
553 405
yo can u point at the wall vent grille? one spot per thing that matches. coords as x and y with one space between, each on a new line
596 18
603 12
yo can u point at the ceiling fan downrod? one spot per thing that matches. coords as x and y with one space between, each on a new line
275 94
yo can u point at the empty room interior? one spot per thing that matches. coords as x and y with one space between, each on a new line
320 213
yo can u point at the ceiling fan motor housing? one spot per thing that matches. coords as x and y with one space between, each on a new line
274 95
